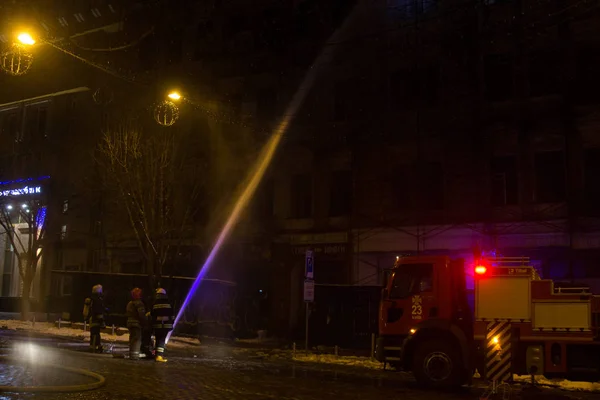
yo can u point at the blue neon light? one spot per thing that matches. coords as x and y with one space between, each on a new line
41 178
40 218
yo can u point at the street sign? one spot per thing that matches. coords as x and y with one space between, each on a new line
309 266
309 290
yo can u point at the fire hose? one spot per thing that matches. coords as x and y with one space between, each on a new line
99 380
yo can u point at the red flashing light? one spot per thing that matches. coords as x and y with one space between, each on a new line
480 269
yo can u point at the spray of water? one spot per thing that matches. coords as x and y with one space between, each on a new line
263 162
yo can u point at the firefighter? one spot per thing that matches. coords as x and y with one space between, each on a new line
162 322
93 312
136 321
147 345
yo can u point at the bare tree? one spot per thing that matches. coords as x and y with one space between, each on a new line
22 217
156 184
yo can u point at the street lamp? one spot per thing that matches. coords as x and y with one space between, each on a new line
174 96
26 39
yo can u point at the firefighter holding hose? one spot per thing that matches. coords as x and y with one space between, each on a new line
162 322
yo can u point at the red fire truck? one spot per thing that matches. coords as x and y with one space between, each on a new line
520 324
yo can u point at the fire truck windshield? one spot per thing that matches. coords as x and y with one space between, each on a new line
411 279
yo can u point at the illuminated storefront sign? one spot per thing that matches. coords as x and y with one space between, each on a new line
21 191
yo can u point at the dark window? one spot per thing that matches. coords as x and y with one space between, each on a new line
398 93
498 77
341 194
412 279
587 87
302 196
592 176
344 100
42 122
415 87
204 38
265 103
132 267
148 53
432 186
10 125
36 123
266 199
550 179
401 182
174 49
505 183
544 73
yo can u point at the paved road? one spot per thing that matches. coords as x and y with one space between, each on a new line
217 373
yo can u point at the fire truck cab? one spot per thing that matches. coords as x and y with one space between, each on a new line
520 323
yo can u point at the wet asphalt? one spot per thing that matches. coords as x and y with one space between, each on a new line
214 372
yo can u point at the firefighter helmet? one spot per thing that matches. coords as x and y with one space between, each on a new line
136 293
161 291
97 289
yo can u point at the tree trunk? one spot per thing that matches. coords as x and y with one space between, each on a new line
25 301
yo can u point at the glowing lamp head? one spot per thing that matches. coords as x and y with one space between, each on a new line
174 96
480 269
495 340
413 331
26 39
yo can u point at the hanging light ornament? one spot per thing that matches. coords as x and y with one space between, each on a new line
16 60
166 113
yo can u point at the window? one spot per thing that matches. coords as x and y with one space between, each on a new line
343 99
550 179
42 122
587 87
415 87
592 176
174 51
266 199
10 125
265 103
302 196
544 73
412 279
66 286
432 186
65 206
63 232
147 53
505 184
401 182
340 201
498 77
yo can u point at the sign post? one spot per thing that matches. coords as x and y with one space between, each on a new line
309 290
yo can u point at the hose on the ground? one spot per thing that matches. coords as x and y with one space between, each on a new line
100 381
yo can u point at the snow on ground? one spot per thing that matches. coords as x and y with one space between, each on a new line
45 328
558 383
339 360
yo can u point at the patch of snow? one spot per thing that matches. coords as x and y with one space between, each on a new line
45 328
363 362
560 383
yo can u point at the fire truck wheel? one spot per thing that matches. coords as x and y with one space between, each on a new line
436 364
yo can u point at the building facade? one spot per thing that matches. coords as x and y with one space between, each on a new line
430 128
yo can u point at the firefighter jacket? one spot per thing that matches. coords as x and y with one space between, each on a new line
136 314
162 313
97 311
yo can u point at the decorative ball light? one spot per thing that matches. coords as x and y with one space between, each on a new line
166 113
16 60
